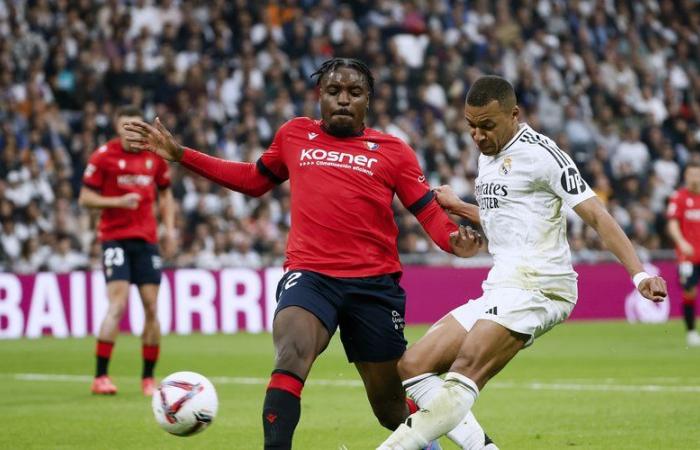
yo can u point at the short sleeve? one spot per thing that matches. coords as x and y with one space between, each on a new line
675 207
411 186
271 163
163 174
563 177
93 177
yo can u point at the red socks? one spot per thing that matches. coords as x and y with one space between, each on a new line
286 381
104 349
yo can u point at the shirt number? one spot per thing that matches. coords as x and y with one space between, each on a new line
114 256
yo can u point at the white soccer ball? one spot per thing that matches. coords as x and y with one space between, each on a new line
185 403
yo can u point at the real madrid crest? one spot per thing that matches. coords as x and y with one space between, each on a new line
506 166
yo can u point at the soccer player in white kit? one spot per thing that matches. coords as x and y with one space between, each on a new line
524 179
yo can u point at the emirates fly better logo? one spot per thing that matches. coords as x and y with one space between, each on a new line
337 159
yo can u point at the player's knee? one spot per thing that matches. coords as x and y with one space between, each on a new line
150 314
295 353
116 310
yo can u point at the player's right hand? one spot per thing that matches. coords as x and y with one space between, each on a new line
465 242
130 200
156 139
446 197
654 289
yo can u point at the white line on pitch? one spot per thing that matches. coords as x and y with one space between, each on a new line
535 386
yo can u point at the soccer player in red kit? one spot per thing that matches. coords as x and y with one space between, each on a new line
342 265
121 181
684 228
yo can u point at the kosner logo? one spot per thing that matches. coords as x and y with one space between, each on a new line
315 155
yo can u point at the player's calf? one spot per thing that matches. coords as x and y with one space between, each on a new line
281 409
390 413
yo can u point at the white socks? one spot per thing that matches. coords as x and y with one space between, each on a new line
468 434
445 409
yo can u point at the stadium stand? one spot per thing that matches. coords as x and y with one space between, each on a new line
616 83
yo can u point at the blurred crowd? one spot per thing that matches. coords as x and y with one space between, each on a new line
615 83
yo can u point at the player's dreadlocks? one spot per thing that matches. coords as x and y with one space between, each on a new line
334 63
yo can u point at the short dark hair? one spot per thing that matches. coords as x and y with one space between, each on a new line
333 63
489 88
692 165
128 110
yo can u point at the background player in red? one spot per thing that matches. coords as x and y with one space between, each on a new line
342 260
121 181
684 228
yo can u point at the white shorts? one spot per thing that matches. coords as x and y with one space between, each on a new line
523 311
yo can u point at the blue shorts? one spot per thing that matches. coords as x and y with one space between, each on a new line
369 311
688 275
132 260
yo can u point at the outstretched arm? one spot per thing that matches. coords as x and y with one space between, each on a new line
237 176
594 214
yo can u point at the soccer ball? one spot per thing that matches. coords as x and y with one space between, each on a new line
185 403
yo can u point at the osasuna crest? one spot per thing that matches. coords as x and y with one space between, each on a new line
506 166
149 164
122 164
372 145
89 170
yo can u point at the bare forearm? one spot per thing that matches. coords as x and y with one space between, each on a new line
167 210
674 230
617 242
466 211
91 199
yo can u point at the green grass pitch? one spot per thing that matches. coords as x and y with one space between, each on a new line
607 385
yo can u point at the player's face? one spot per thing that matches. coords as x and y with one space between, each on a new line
491 126
692 179
344 101
123 134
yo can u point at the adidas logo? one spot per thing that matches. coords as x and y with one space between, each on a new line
493 311
312 136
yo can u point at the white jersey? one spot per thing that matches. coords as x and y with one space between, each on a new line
520 192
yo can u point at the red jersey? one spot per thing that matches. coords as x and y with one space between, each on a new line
113 172
342 191
684 206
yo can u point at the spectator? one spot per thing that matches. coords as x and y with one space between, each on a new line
64 258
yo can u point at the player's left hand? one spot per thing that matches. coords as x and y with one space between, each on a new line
465 242
654 289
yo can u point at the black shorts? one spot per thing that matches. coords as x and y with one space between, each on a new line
369 311
688 275
132 260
